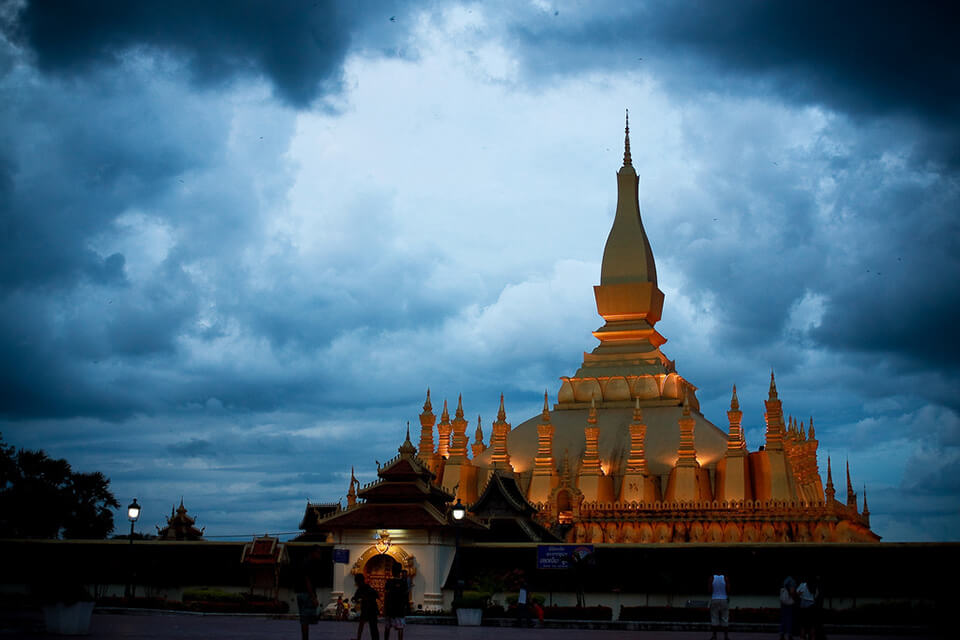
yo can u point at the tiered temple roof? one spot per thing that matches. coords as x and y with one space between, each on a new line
180 526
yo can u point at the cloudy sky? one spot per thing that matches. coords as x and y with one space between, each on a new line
239 240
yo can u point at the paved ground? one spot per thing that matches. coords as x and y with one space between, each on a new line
194 627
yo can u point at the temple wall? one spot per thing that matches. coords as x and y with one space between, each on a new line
633 574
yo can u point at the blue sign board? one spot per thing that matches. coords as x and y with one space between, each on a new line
342 556
560 556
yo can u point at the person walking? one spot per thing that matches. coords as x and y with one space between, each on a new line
396 599
719 605
367 596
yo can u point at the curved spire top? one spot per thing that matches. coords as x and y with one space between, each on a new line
627 160
627 257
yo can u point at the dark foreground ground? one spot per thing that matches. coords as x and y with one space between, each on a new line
214 627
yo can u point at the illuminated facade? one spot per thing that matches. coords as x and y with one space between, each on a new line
625 456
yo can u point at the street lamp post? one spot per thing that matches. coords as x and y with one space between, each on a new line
459 511
133 512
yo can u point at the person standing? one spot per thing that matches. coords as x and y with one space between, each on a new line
719 605
307 602
395 601
788 598
367 596
806 593
523 606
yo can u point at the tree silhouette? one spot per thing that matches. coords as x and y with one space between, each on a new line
41 497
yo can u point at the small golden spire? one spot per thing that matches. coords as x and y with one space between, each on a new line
637 413
459 412
592 416
851 496
501 413
351 492
830 491
478 434
427 407
811 435
444 415
866 509
546 407
407 447
627 160
734 400
773 386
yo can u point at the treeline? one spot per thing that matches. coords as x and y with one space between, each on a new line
42 497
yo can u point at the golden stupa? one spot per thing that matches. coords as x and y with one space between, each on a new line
625 454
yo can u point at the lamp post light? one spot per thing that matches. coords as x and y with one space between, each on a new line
133 512
459 511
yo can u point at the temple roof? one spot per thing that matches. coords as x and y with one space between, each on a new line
508 513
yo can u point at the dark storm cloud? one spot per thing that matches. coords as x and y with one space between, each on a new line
890 68
298 45
878 58
193 448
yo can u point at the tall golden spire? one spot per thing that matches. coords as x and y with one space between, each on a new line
427 420
687 452
735 442
590 465
458 449
498 441
627 160
443 430
774 417
543 461
627 257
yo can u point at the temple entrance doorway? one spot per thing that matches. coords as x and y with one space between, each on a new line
377 571
564 507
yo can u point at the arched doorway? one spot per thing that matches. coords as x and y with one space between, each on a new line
564 507
377 571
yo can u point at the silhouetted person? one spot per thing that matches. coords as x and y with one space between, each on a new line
523 605
395 601
806 594
788 600
367 597
307 602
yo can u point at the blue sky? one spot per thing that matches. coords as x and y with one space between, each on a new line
239 241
